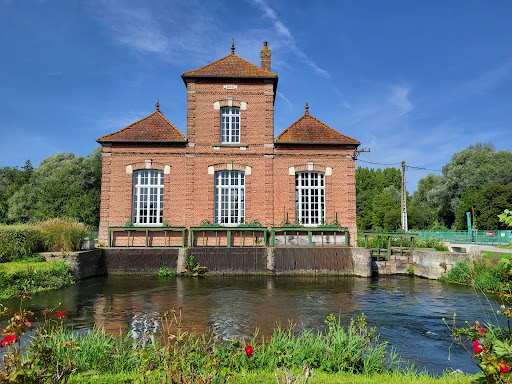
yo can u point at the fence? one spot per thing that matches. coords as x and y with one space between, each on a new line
479 237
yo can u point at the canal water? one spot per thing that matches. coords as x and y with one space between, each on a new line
406 311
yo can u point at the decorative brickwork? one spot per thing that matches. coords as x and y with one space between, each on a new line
190 164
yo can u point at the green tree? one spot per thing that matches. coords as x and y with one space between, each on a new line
387 200
469 170
62 186
492 201
369 184
11 180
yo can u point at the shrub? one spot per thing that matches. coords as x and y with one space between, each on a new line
459 273
166 272
63 234
18 241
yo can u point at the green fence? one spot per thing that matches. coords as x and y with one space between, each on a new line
464 237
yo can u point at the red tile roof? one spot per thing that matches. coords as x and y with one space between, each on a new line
310 130
230 66
152 128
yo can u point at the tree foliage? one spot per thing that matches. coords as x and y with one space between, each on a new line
446 198
62 186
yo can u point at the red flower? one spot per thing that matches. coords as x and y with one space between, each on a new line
60 314
8 340
249 351
477 350
503 367
44 311
481 330
476 343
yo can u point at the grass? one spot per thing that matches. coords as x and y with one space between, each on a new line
503 255
268 377
32 276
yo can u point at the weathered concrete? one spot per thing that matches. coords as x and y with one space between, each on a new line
361 262
431 264
280 260
139 260
83 264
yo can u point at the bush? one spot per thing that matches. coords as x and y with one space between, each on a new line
63 234
459 273
18 241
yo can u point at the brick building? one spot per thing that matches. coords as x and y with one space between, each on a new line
229 169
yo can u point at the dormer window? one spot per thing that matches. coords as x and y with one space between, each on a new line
230 125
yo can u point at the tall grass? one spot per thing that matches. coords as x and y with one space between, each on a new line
63 234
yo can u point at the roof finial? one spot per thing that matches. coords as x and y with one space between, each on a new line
233 46
307 107
157 105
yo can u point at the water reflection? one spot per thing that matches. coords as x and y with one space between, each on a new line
406 311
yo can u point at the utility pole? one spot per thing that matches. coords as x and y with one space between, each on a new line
403 205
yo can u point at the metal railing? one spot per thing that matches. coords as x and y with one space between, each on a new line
479 237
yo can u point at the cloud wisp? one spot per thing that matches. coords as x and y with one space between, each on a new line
288 39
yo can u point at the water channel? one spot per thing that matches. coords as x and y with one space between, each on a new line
407 311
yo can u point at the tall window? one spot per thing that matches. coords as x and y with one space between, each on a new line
310 197
229 197
230 125
148 198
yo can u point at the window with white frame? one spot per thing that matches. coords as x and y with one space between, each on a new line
148 198
229 197
310 197
230 125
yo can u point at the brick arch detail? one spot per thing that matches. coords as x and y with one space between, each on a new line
148 164
247 169
310 167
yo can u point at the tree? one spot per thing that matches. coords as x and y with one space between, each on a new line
469 170
11 180
369 184
492 201
62 186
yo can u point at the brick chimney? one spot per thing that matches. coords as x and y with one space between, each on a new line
265 57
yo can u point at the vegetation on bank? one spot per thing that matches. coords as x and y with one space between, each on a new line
56 354
33 275
375 242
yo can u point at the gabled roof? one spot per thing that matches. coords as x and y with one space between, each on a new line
152 128
230 66
310 130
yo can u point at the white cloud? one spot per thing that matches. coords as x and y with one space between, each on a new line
399 98
288 41
288 102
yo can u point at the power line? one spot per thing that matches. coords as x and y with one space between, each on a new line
371 162
407 166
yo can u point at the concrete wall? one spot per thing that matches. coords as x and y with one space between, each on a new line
279 260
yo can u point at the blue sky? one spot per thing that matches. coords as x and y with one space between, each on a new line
414 81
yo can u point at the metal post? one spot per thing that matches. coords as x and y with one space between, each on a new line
403 208
229 238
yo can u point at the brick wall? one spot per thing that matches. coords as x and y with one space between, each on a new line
189 188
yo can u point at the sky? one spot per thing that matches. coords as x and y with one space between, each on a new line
411 80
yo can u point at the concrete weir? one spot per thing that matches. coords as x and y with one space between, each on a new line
259 260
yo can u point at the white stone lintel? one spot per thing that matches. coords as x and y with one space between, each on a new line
129 169
230 166
248 170
211 171
243 105
216 105
328 171
148 163
167 170
291 171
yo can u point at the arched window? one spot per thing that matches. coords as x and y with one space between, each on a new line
230 125
148 198
310 197
229 197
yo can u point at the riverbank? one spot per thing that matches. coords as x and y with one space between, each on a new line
33 276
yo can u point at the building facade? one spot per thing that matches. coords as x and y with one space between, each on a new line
229 170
